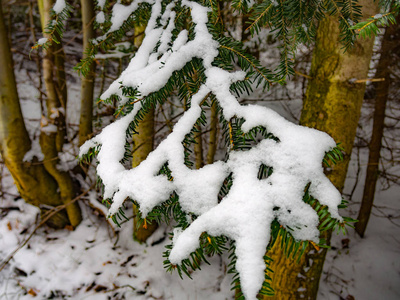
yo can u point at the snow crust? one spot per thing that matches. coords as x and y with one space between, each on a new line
246 213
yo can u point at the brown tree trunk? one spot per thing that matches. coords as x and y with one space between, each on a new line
87 85
34 184
331 104
389 43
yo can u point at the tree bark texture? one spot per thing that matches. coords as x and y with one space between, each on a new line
331 104
87 82
143 144
212 142
198 147
52 141
34 183
53 67
389 50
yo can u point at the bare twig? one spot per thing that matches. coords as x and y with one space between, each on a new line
45 218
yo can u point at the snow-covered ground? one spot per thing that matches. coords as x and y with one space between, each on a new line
94 263
369 267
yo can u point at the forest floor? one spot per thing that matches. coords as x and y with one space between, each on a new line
100 261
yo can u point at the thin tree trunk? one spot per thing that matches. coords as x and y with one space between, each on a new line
61 83
143 144
198 147
37 59
52 140
212 142
390 41
53 67
87 85
331 104
34 184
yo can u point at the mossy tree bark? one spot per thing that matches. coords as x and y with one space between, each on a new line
53 135
87 82
389 55
34 183
331 104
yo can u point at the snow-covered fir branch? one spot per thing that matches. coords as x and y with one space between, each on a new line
245 214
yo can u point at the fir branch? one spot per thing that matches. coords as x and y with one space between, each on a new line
55 28
262 72
370 26
256 22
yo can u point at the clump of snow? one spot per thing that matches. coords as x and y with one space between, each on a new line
59 6
49 128
42 41
35 151
246 213
100 18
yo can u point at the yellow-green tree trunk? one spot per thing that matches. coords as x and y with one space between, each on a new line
212 141
143 144
332 104
52 141
34 183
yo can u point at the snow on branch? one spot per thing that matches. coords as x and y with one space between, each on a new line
246 212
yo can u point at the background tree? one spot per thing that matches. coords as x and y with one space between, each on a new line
87 82
332 103
54 130
389 57
33 181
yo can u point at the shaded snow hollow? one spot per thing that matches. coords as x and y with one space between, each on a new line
246 213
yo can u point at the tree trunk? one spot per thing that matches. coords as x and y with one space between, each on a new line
143 144
53 67
87 85
389 43
331 104
198 147
34 184
53 133
212 142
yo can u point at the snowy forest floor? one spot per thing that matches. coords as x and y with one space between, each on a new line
100 261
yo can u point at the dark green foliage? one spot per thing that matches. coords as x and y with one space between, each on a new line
371 25
266 288
231 53
334 156
88 156
107 42
295 22
55 28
